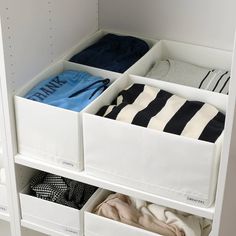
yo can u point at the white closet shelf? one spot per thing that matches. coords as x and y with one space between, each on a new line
84 177
40 228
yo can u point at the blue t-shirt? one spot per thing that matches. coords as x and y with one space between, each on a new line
72 90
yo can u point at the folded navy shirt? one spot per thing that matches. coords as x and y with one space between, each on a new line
112 52
72 90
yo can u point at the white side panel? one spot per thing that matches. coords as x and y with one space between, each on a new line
37 32
9 167
224 220
204 22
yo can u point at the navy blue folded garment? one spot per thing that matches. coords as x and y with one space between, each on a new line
112 52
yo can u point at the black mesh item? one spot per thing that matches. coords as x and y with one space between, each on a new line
61 190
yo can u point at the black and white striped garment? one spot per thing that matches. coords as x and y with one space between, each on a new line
216 81
157 109
175 71
61 190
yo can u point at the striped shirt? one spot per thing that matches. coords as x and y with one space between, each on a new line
157 109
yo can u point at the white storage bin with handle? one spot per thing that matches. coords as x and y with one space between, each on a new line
51 133
176 167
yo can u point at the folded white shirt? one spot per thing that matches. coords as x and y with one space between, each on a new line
180 72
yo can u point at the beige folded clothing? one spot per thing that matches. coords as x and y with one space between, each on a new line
151 217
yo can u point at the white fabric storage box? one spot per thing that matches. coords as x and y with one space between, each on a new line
198 55
95 225
64 220
165 164
97 36
51 133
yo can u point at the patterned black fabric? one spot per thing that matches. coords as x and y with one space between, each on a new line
61 190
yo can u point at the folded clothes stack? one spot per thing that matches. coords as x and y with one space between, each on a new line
61 190
160 110
112 52
72 90
152 217
180 72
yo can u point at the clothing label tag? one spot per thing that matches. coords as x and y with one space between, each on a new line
67 163
196 200
71 231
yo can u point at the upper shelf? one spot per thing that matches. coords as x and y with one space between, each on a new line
83 177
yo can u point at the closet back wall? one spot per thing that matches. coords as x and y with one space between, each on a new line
38 32
203 22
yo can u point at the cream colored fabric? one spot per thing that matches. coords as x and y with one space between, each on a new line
154 218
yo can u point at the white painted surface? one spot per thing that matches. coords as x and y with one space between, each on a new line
224 219
38 32
7 148
204 22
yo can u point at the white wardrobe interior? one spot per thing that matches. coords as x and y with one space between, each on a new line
37 34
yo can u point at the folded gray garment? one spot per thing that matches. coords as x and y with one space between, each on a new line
179 72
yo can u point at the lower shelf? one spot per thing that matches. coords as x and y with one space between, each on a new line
83 177
4 216
40 228
5 228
